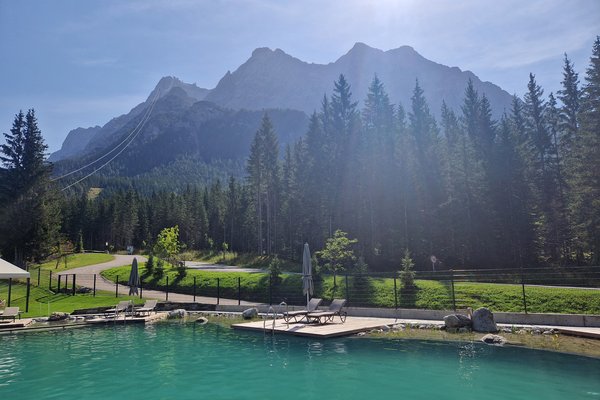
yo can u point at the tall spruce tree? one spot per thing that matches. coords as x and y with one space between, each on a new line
569 96
426 174
585 203
542 172
29 207
376 157
264 175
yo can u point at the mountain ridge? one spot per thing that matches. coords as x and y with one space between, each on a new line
273 79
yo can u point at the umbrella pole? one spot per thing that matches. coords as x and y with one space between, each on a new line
307 300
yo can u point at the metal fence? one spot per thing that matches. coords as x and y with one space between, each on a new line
565 290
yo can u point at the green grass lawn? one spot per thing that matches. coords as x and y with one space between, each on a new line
42 301
375 292
243 260
76 261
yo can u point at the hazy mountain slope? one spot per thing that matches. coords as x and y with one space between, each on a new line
273 78
181 127
83 140
74 143
182 124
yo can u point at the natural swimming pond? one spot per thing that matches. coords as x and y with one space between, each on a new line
191 361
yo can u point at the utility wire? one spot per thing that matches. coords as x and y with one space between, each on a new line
146 113
143 122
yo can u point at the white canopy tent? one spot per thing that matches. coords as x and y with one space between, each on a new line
8 271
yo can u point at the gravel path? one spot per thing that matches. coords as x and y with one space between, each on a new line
85 277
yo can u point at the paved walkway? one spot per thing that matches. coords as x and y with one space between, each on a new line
85 277
204 266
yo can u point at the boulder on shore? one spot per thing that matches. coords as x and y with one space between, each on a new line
179 313
456 321
483 321
250 313
58 316
496 340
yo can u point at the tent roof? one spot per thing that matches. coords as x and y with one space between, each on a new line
8 270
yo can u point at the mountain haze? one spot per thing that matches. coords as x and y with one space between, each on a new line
85 140
179 127
218 124
272 78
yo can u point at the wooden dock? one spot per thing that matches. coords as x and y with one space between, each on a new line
18 323
335 329
593 333
128 319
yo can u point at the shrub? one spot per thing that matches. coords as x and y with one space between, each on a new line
150 264
79 248
275 270
181 269
159 270
407 274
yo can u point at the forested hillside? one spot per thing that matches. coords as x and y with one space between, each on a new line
472 190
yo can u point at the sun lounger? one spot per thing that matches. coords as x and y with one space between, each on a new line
123 306
327 316
11 313
149 306
312 306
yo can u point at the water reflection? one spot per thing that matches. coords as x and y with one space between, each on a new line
9 370
277 351
468 362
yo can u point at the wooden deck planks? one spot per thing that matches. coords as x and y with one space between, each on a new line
593 333
351 326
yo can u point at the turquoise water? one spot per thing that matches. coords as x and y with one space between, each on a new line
187 361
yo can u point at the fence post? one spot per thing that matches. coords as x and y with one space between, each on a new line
523 288
74 277
270 291
167 290
453 294
141 287
9 290
347 292
50 282
218 290
39 272
395 292
117 287
59 279
27 297
194 289
94 285
239 291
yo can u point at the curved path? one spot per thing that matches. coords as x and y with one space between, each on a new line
85 277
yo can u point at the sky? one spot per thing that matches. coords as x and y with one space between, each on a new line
81 63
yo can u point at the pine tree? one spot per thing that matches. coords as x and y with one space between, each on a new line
343 109
585 203
264 176
376 158
541 170
426 174
512 196
568 118
344 140
29 202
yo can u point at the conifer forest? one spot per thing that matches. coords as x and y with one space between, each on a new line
475 191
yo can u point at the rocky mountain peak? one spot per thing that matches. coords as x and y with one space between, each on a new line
167 83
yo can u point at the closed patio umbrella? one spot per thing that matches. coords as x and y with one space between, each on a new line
134 278
307 281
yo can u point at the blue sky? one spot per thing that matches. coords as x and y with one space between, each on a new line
80 63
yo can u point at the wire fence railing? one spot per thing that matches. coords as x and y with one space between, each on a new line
528 290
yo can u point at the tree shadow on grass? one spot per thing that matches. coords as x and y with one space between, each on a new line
407 297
